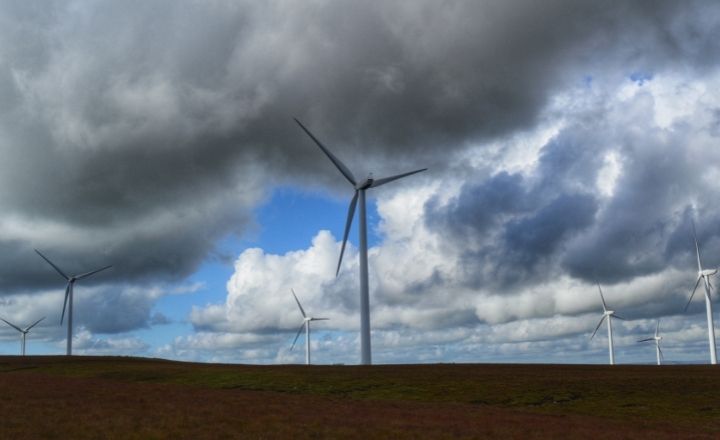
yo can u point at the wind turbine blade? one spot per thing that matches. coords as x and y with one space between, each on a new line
693 293
348 223
645 340
53 265
297 335
697 248
298 303
602 298
385 180
34 324
618 317
598 326
340 166
657 328
67 293
319 319
85 275
662 356
12 325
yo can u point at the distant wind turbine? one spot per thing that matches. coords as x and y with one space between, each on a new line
23 332
360 187
657 338
705 276
69 295
609 314
306 325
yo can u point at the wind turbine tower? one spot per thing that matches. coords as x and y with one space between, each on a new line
609 314
657 338
69 296
360 188
306 325
704 275
23 332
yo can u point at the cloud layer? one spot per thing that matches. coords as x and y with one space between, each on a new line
567 142
517 251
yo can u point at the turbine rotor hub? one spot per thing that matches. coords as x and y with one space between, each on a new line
365 184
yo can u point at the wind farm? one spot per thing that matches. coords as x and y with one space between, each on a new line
499 199
449 191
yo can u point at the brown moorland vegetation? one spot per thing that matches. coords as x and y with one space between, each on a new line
115 397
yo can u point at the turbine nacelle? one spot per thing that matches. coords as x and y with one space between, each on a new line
707 272
365 184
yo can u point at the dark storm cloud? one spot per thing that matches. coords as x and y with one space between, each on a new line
519 230
641 229
529 239
514 226
480 206
139 133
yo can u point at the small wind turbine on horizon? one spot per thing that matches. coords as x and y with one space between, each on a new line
657 338
609 314
705 276
23 332
68 303
306 325
360 188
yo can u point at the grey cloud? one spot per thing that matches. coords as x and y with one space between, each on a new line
479 206
113 312
158 318
167 120
529 239
516 230
645 226
141 133
513 228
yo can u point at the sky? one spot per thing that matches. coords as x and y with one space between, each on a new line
566 142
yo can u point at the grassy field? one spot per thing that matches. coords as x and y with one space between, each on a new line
114 397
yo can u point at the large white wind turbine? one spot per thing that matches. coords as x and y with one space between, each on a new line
657 338
705 276
23 332
609 314
306 325
69 295
360 188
